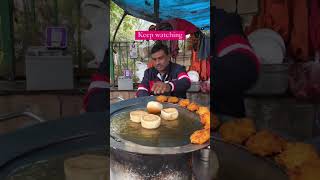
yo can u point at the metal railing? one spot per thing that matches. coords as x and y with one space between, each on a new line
124 62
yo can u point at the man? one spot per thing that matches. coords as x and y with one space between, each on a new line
98 93
165 77
235 66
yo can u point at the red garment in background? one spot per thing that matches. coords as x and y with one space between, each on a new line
182 25
289 19
274 14
179 25
299 42
205 69
208 68
195 62
314 22
201 66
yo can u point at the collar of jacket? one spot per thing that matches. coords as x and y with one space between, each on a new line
166 75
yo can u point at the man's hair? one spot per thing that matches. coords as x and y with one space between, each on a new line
159 46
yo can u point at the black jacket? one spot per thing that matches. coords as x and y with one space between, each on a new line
176 77
234 67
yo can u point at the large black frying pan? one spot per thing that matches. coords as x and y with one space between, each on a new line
85 133
236 162
172 137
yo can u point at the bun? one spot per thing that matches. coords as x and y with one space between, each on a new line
150 121
135 116
169 114
154 107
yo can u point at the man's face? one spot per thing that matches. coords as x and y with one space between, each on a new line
161 60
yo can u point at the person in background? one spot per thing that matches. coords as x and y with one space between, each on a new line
97 97
165 77
234 65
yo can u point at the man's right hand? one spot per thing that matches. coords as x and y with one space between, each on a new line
160 88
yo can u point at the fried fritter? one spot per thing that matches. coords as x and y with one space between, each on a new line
205 120
202 110
193 107
162 98
295 154
265 143
200 136
309 170
184 102
173 100
237 131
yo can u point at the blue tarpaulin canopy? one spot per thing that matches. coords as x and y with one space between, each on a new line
194 11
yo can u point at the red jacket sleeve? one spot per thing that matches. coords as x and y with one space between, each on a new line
182 83
230 38
99 82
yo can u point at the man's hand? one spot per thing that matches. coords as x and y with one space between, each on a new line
160 88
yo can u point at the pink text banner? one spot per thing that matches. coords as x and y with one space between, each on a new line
160 35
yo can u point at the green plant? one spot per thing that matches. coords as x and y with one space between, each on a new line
127 28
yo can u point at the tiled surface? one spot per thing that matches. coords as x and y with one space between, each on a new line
284 115
49 107
70 105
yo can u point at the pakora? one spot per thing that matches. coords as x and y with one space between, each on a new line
193 107
200 136
205 120
184 102
309 170
162 98
265 143
173 100
237 131
202 110
295 154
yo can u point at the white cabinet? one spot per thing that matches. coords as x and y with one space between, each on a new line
48 71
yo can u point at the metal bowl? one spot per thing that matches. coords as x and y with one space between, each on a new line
52 141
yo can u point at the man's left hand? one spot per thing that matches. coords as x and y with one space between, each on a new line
160 88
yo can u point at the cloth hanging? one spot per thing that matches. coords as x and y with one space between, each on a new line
195 62
204 50
178 25
299 42
274 15
205 69
193 43
181 25
289 19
